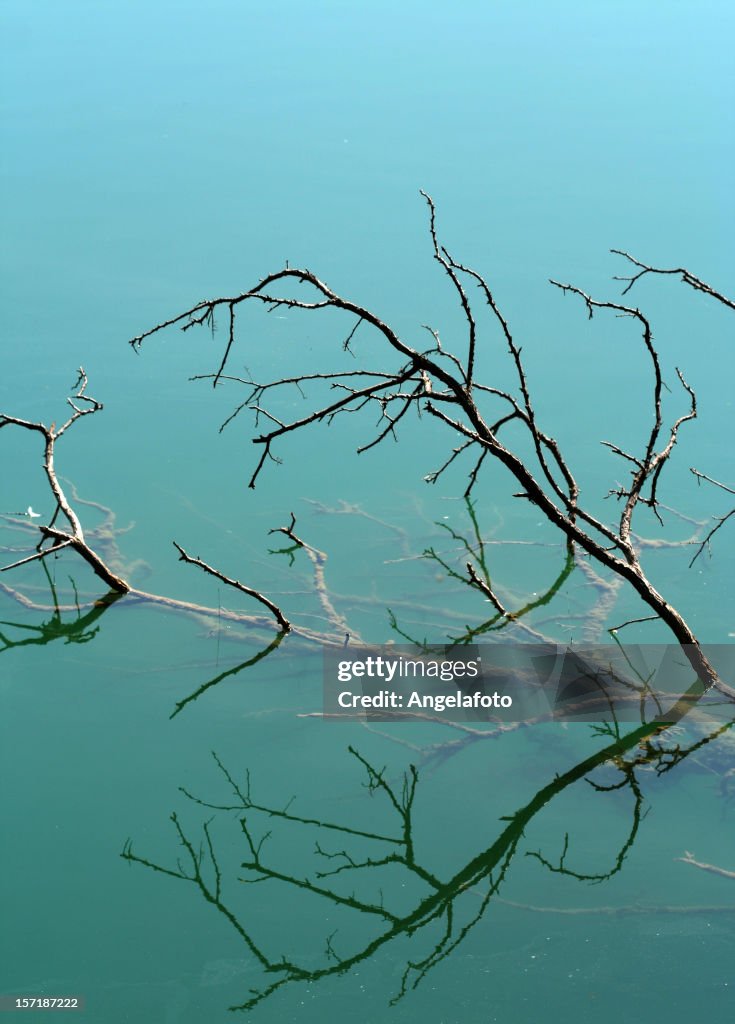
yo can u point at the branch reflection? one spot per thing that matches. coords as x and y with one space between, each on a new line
376 885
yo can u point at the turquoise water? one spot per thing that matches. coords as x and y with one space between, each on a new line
157 154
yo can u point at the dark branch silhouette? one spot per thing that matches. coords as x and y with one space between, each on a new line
685 275
443 384
720 520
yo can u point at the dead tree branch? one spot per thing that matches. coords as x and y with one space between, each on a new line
720 520
74 538
443 384
279 616
81 405
685 275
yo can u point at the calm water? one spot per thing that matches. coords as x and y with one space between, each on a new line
168 152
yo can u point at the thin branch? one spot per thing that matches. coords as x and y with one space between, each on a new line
280 617
75 537
721 520
686 276
711 480
38 554
448 382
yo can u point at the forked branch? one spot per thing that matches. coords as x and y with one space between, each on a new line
444 384
81 405
685 275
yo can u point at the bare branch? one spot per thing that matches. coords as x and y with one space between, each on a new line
721 520
711 480
39 554
686 277
444 259
487 590
280 617
447 382
75 537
